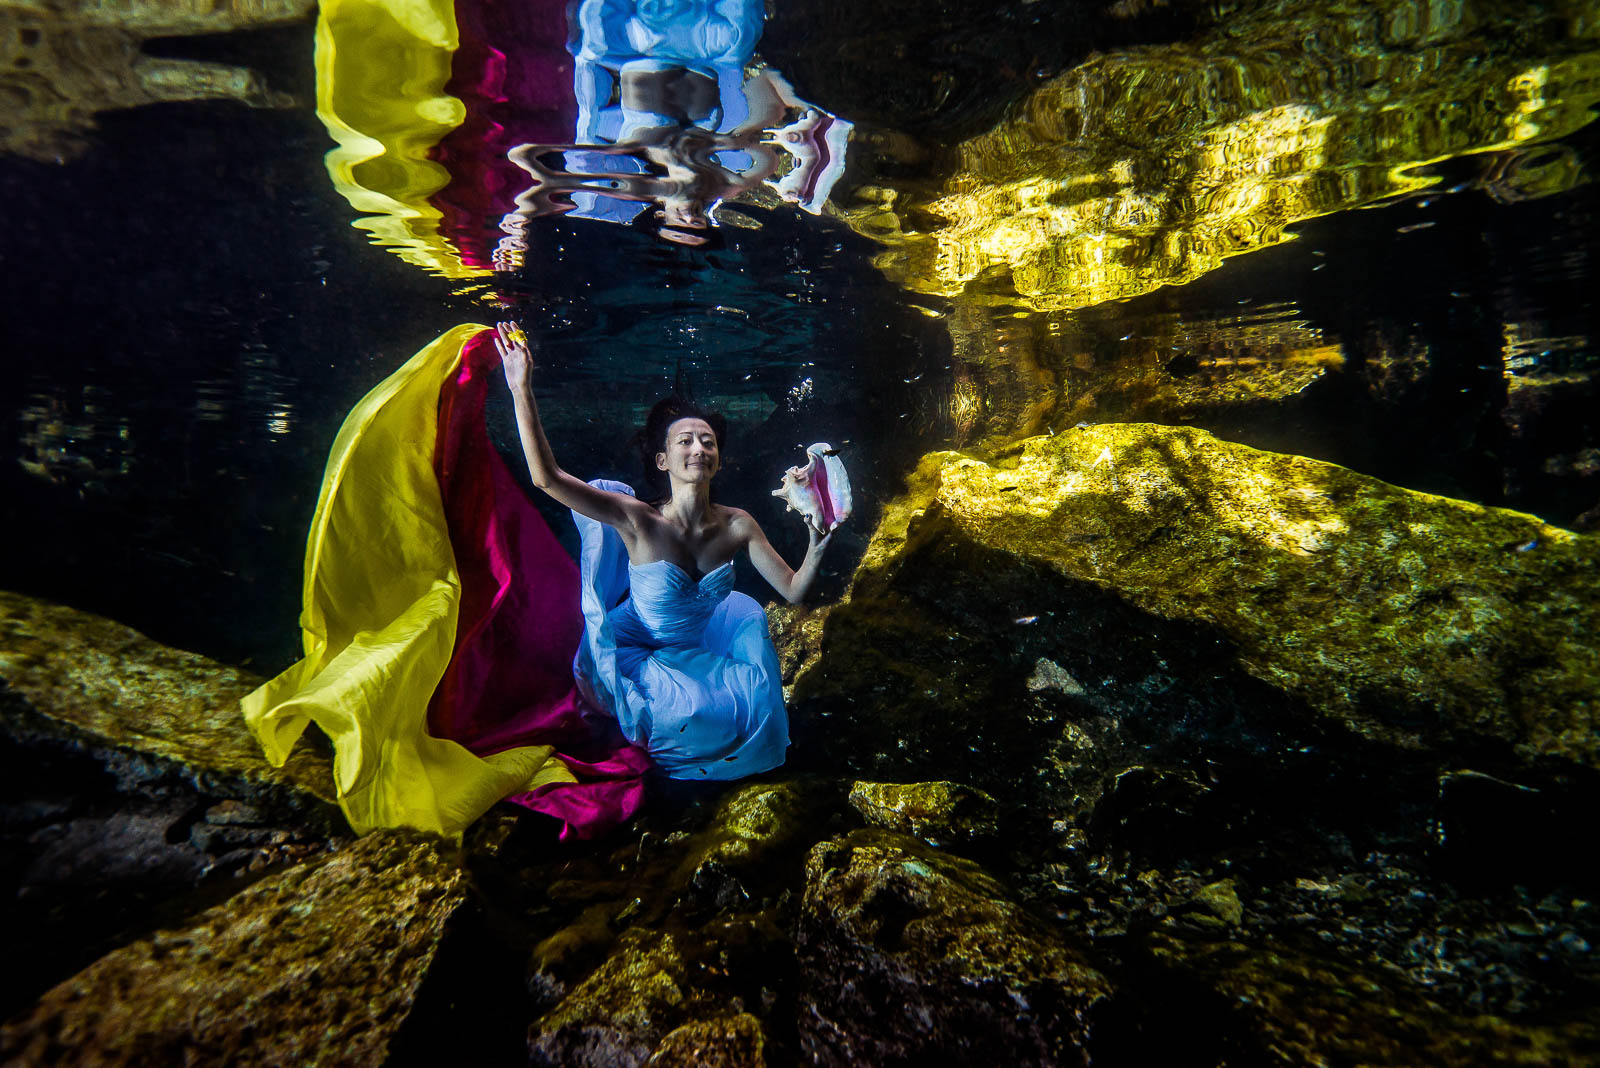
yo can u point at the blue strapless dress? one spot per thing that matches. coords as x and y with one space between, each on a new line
685 666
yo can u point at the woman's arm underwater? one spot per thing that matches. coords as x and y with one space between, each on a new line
616 509
792 584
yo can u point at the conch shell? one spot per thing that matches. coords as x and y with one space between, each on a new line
819 491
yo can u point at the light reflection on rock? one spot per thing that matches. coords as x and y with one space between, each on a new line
1020 374
1361 598
1150 166
61 64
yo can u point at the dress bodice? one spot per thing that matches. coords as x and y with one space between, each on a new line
668 606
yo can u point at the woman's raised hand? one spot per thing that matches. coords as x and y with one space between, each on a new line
512 344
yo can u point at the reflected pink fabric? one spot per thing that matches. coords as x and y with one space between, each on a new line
513 72
510 682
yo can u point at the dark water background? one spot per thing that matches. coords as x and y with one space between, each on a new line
191 315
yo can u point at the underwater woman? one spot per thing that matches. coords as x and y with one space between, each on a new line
684 663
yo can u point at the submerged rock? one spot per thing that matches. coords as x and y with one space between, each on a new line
316 964
907 952
945 811
680 941
1410 618
727 1042
149 712
644 1005
1309 1008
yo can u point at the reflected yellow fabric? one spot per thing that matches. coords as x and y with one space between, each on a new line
379 621
381 67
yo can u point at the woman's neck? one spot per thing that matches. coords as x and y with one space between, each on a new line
689 504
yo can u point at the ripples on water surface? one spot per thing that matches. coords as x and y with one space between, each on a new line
1360 232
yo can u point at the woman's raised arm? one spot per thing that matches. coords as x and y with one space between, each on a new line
616 509
792 584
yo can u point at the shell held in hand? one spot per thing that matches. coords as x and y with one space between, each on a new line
819 491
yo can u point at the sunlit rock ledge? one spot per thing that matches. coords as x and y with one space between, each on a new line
1412 618
316 964
150 711
1150 166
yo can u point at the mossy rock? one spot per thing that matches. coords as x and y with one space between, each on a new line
754 838
726 1042
938 811
319 964
1410 618
908 952
146 710
1307 1007
645 1004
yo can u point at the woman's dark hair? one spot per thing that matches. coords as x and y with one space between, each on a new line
652 437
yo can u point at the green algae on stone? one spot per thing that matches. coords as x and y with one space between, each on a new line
725 1042
1221 900
106 687
906 952
753 824
318 964
946 811
1408 616
1313 1008
627 1009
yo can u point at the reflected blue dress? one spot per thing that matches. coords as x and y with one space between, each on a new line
686 667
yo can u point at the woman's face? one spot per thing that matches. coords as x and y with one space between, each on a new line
691 451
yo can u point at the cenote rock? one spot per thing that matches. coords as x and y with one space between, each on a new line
644 1005
680 940
1409 618
315 964
1304 1008
149 712
936 811
908 953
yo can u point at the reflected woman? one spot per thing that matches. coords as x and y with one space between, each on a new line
682 661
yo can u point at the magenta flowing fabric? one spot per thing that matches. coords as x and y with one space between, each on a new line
510 681
513 73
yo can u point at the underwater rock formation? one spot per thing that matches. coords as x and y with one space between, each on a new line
1308 1009
1149 166
639 1006
88 684
1214 688
316 964
906 952
1412 619
937 811
62 63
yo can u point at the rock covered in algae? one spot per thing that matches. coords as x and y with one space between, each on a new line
726 1042
1410 617
645 1004
318 964
907 952
1309 1008
679 940
940 811
145 709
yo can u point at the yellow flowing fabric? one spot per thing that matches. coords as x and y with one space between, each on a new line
379 621
381 68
